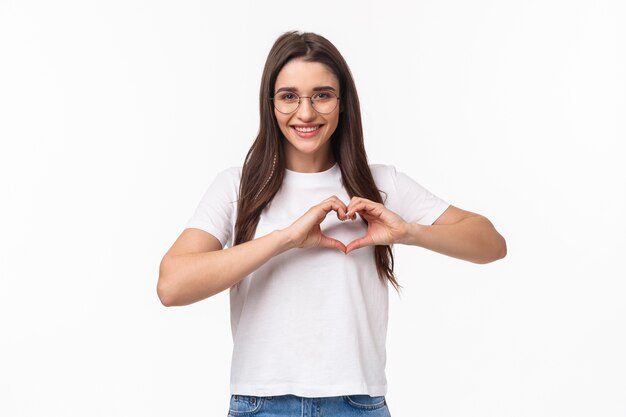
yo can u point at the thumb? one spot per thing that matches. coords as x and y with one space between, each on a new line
359 243
329 242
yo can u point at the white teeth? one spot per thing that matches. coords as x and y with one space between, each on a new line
306 129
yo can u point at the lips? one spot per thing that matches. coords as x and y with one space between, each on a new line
306 128
307 131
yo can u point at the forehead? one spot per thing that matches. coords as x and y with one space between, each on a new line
304 76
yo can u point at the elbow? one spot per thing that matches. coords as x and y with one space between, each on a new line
166 290
165 294
498 246
494 245
499 251
502 249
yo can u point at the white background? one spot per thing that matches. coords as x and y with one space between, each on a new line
116 115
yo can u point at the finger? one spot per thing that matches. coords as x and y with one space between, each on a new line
341 212
333 204
366 205
337 199
359 243
340 208
356 200
350 212
329 242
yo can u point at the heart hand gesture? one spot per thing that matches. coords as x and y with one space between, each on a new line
384 227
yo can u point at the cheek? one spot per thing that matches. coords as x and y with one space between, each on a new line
334 123
281 119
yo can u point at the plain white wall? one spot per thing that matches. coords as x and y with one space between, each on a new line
116 115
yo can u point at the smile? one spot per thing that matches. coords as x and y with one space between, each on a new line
307 129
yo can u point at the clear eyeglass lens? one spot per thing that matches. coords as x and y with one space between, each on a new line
323 102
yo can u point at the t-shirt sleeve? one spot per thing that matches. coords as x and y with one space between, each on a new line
413 202
216 210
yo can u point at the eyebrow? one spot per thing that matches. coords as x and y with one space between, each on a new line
294 89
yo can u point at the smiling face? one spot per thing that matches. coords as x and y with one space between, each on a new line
306 150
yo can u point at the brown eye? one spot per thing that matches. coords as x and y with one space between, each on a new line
324 97
287 97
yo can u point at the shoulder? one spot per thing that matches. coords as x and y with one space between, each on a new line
385 178
394 181
225 183
383 174
230 175
232 171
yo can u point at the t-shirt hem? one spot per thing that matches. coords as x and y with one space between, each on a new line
308 390
435 212
193 224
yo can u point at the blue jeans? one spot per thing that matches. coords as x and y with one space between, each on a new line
294 406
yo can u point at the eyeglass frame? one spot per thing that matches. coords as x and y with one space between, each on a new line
310 100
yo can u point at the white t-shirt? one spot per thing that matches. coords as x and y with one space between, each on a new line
311 322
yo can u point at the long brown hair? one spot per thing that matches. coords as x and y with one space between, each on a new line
264 166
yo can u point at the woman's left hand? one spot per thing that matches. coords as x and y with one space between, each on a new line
384 227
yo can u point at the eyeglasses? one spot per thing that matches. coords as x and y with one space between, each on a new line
323 102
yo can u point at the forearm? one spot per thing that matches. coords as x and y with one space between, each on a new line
473 239
188 278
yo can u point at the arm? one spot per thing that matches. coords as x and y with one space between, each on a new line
196 267
457 233
460 234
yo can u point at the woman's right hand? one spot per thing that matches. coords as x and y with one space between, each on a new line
305 232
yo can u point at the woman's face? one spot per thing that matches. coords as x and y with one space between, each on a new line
307 150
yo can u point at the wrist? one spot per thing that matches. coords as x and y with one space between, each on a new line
284 240
411 234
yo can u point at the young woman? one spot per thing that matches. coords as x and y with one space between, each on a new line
309 290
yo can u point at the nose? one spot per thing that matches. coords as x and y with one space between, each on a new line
306 112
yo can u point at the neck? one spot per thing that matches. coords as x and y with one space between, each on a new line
312 165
